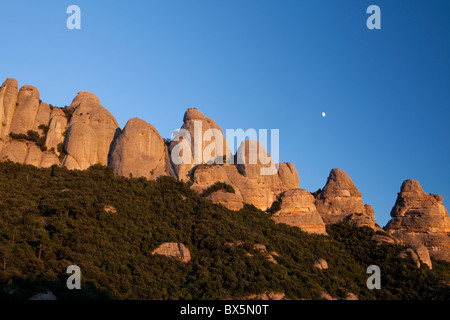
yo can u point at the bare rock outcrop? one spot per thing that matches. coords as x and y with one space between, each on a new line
8 100
410 252
268 295
351 296
255 163
255 178
260 248
174 250
326 296
249 186
42 117
181 158
420 219
139 150
109 209
15 151
28 113
297 208
380 239
321 264
91 131
269 255
229 200
27 153
48 159
205 143
288 175
57 129
423 254
340 201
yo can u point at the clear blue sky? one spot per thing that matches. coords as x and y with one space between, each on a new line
260 64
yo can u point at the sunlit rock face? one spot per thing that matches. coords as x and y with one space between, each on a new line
138 151
250 183
200 140
340 201
420 218
90 133
297 209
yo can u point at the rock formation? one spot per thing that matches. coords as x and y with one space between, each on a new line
15 151
27 153
86 134
232 201
321 264
57 129
205 143
139 150
91 131
260 248
351 296
266 296
297 208
250 185
8 100
408 252
109 209
380 240
340 201
420 219
26 113
174 250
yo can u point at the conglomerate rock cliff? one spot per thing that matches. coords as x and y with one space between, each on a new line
297 208
341 201
90 133
421 220
85 133
138 151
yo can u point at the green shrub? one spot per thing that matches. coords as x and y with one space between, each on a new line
68 112
276 205
216 187
44 128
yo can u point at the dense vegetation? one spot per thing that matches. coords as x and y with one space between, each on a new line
216 187
52 218
32 136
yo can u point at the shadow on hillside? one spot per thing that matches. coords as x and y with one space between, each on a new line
26 289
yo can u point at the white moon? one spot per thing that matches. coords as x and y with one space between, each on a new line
323 114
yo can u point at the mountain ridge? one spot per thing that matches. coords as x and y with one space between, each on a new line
85 133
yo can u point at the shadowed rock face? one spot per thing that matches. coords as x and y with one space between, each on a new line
298 209
91 131
139 150
340 200
420 218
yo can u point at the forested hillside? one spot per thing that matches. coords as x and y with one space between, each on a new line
52 218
